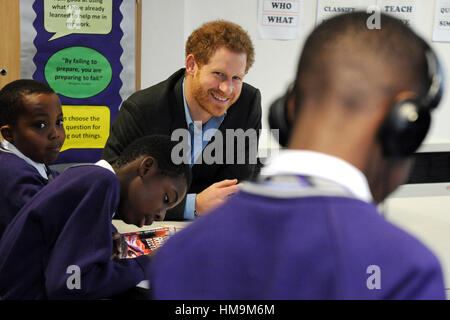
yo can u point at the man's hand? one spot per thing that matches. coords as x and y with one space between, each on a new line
215 195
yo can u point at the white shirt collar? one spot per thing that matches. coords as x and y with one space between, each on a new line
311 163
9 147
105 164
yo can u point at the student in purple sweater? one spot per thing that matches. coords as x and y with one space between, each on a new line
31 123
60 245
309 228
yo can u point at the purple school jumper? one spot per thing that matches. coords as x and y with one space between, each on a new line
19 183
65 227
267 244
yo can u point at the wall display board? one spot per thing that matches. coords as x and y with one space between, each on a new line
76 47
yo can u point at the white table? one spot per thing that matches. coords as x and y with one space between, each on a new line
428 219
122 227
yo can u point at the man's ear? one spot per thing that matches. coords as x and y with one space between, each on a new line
147 166
191 64
7 133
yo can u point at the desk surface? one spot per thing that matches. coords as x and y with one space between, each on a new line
122 227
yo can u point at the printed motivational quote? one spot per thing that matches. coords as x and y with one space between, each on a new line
86 126
64 17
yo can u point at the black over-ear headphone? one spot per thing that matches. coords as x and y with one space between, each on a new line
408 121
278 116
405 125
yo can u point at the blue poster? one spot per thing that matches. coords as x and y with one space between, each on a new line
78 51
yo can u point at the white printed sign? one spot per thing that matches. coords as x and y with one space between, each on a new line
441 29
279 19
328 8
404 10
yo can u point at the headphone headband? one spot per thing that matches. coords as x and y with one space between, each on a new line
434 94
406 124
408 121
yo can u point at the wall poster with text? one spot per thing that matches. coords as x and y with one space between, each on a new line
77 47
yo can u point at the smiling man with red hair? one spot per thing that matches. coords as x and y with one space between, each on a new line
208 97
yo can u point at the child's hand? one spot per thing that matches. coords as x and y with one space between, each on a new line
120 247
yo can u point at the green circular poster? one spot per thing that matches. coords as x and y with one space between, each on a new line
78 72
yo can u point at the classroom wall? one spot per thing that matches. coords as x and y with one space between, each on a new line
167 24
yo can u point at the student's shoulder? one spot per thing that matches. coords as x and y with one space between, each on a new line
408 247
82 182
91 172
12 164
6 157
364 221
397 252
